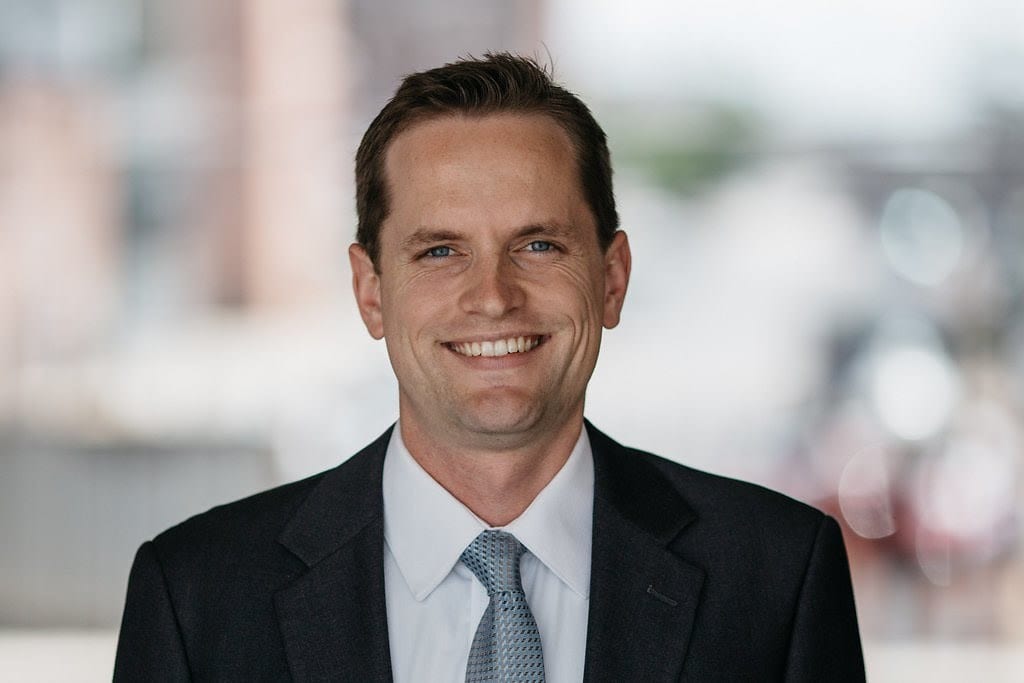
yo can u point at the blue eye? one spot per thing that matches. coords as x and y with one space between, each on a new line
539 245
438 252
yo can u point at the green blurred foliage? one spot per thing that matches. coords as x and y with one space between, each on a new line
684 151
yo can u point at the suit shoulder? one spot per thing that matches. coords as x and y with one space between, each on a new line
255 519
252 524
706 490
745 534
725 507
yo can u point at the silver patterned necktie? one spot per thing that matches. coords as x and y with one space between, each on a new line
507 645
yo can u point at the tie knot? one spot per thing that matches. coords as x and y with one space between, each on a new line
493 557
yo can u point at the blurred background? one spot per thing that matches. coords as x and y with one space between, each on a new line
825 203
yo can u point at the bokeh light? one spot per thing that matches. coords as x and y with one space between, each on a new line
913 384
922 235
865 496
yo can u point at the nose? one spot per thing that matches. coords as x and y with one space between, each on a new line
493 289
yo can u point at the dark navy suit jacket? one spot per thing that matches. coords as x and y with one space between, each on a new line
694 577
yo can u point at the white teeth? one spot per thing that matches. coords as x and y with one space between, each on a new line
501 347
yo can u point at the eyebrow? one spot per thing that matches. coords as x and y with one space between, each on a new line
424 236
554 229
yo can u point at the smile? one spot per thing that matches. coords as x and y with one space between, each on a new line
497 347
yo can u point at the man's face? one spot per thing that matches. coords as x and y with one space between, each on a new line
492 289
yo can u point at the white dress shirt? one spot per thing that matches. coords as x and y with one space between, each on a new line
434 603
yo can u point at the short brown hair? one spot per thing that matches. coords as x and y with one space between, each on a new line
496 83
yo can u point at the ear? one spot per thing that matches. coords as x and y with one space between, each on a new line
617 262
366 286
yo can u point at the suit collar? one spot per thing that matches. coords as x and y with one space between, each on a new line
346 500
636 490
333 617
643 596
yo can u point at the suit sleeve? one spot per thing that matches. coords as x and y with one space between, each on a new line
825 642
149 647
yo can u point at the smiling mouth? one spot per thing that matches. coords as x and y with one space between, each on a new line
496 347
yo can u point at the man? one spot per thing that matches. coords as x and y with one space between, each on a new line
492 533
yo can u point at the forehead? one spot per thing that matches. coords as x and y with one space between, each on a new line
482 168
444 131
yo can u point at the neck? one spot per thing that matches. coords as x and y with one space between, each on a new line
498 482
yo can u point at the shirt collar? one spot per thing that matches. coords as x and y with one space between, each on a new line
426 528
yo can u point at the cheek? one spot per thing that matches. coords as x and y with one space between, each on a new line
580 288
407 304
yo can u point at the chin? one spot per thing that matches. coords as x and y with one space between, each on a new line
499 417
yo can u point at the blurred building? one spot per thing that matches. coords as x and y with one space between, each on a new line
175 208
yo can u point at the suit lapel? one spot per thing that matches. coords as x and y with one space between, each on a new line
643 598
333 617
